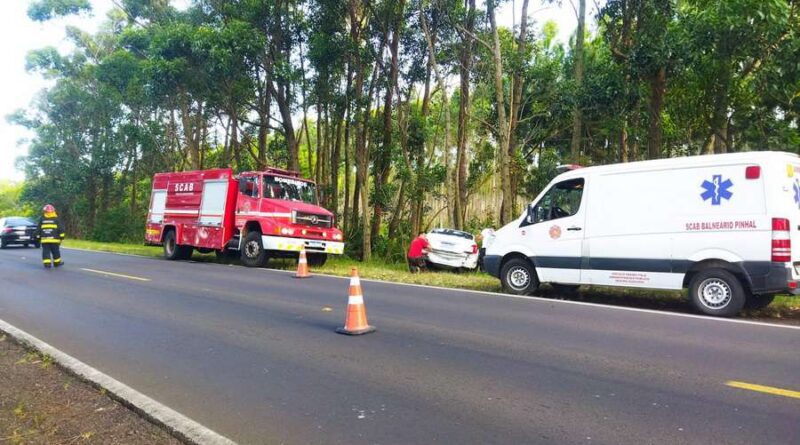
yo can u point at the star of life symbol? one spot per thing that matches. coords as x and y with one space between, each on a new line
716 190
797 192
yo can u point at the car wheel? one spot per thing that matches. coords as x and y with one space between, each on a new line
519 277
3 243
717 292
755 302
37 245
317 259
253 253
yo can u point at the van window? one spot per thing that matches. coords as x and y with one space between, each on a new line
561 201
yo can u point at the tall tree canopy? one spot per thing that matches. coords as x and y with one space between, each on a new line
408 114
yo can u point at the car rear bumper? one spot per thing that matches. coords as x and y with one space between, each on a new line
286 244
454 260
13 238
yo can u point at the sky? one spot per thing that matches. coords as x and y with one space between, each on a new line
19 35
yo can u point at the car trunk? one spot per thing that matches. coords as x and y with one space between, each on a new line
449 245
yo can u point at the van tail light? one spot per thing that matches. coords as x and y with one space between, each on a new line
781 241
752 172
474 248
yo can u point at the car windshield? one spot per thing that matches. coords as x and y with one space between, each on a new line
289 189
19 222
453 232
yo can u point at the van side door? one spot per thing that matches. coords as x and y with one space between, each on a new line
554 229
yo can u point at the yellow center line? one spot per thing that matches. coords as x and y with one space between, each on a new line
765 389
116 274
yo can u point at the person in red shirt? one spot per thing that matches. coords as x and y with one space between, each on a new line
417 252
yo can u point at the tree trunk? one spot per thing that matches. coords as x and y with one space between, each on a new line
383 164
516 106
624 156
462 160
658 87
188 124
577 114
502 124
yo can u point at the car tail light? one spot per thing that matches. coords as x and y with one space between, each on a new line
781 241
752 172
474 248
7 230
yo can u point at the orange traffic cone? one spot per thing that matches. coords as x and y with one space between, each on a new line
355 323
302 266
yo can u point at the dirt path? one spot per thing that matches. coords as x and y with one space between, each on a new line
42 404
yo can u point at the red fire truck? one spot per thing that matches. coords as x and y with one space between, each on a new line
273 213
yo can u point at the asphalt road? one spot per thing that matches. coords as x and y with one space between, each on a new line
253 355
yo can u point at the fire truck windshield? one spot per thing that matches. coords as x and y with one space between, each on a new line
289 189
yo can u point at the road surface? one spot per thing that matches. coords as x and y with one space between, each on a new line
252 354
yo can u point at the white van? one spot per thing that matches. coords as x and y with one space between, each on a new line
720 225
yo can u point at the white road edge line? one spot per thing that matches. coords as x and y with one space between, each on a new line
550 300
518 297
180 426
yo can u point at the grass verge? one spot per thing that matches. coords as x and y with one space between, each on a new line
783 308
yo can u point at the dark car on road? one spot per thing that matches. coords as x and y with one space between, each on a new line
18 230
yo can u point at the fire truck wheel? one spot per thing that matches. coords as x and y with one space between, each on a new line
174 251
317 259
253 253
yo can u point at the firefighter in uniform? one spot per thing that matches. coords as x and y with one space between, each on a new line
50 234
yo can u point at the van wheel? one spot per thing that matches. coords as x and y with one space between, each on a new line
717 292
755 302
173 251
519 277
253 253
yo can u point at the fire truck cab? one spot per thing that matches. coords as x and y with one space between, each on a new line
261 215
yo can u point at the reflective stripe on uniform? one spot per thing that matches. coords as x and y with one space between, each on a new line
47 261
51 241
57 260
49 226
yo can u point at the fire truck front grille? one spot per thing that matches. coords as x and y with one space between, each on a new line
313 220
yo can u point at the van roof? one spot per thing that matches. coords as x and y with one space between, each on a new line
680 162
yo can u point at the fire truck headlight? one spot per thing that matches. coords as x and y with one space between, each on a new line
285 231
337 236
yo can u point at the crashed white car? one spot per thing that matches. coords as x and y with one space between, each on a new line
452 249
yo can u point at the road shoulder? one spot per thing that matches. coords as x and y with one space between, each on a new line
77 400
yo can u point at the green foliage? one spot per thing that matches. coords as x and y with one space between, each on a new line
43 10
10 200
226 83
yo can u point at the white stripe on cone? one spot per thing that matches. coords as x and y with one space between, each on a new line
354 281
355 299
